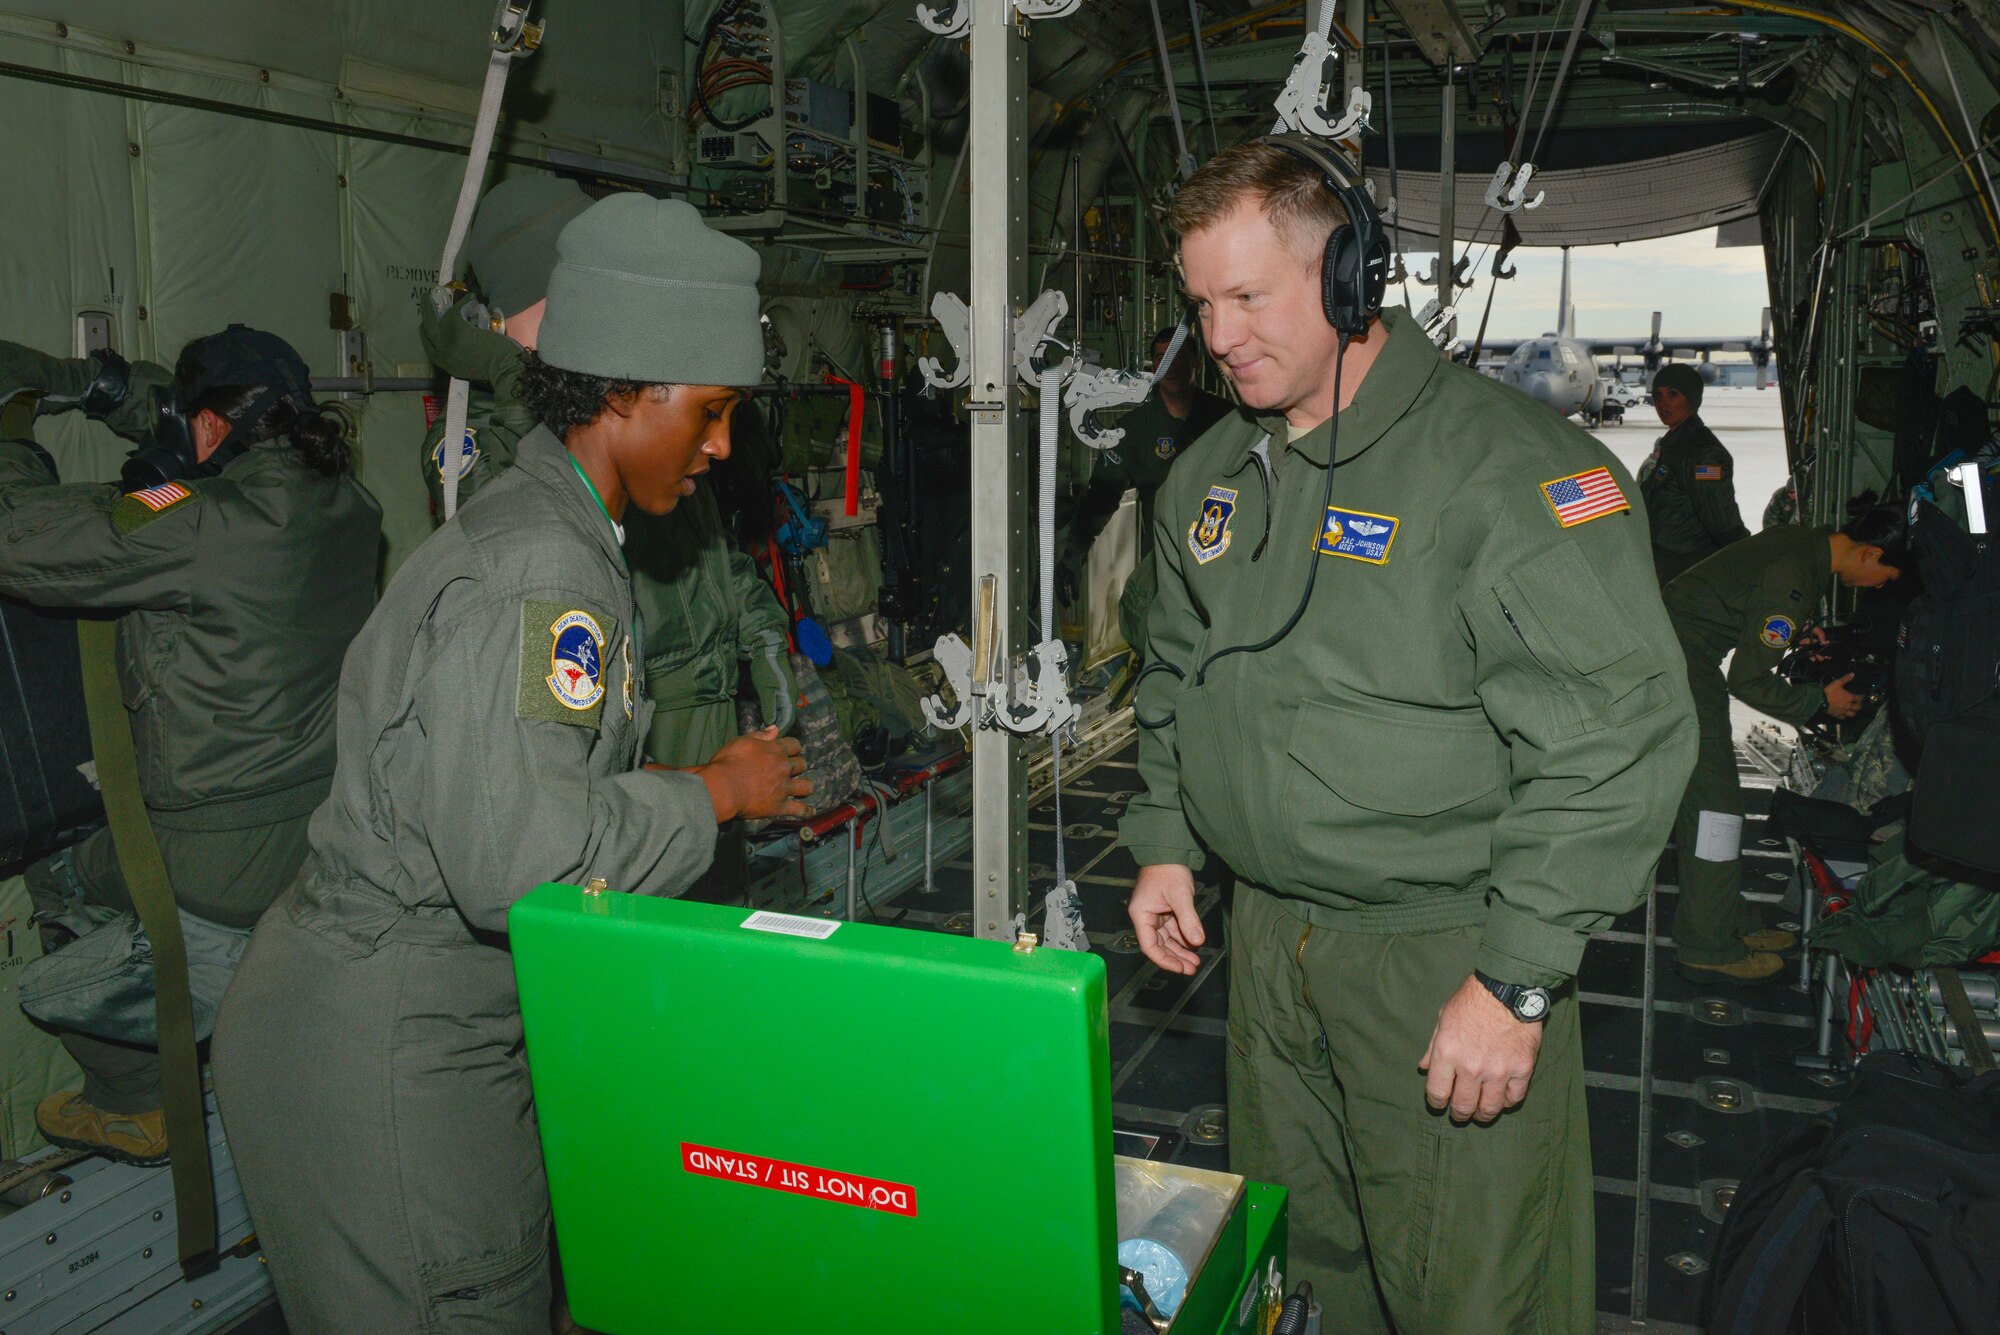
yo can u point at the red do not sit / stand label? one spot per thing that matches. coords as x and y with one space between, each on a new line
823 1184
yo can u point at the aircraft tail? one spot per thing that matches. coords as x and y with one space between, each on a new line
1565 313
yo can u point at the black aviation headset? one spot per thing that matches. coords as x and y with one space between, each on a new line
1353 275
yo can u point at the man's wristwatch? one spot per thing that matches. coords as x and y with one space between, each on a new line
1530 1005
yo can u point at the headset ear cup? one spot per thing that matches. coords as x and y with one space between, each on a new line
1340 281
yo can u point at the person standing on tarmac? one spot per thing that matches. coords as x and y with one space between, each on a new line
368 1056
1414 685
1688 481
1754 599
705 607
1157 432
240 560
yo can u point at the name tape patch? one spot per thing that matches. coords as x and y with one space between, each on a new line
1582 497
1208 535
822 1184
1357 535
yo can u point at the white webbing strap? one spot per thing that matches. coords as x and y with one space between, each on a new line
511 39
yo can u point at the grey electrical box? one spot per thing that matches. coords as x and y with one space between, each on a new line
95 329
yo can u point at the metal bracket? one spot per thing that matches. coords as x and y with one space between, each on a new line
1969 479
1046 9
1508 189
1092 391
1034 327
1299 102
1438 323
955 320
1038 704
958 25
513 35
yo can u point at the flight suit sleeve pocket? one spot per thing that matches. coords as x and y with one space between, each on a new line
1564 615
1403 764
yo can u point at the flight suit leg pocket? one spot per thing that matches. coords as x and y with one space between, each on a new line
500 1293
1400 1199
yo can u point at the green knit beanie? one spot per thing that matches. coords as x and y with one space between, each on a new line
1680 376
645 290
511 246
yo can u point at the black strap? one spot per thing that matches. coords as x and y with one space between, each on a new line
153 898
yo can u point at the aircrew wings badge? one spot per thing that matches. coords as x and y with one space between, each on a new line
562 665
1357 535
1208 535
1582 497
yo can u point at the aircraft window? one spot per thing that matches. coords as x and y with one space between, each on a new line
1543 355
1569 354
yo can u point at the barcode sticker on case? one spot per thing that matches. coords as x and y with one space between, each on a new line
819 929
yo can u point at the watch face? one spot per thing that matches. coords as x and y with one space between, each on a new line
1532 1004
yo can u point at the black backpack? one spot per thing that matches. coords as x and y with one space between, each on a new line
1882 1219
1948 690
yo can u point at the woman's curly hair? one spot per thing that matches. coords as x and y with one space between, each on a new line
565 400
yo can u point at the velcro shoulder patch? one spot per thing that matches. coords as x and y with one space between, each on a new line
1777 631
1582 497
562 665
1708 472
137 509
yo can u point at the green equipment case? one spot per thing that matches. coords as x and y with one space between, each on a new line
757 1122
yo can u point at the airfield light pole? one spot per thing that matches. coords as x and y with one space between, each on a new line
997 153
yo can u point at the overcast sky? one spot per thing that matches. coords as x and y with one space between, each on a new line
1616 289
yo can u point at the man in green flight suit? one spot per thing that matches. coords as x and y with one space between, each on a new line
1428 709
1755 598
704 605
1688 481
1156 433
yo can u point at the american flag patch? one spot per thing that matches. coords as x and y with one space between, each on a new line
1708 472
160 497
1582 497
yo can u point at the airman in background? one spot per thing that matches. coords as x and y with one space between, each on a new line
1688 481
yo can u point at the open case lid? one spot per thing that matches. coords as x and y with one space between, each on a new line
748 1115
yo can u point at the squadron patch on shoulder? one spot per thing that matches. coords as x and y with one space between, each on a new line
1357 535
468 454
1208 535
562 665
1164 447
1777 632
1708 472
136 509
1582 497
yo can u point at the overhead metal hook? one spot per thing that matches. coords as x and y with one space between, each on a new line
1508 189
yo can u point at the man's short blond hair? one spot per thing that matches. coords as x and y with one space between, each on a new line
1293 194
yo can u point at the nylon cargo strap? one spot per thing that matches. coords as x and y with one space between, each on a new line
512 37
153 899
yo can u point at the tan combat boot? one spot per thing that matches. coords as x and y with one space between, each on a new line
1756 967
69 1120
1772 939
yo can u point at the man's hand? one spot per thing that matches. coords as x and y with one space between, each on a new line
459 347
1841 702
1480 1058
1162 909
758 774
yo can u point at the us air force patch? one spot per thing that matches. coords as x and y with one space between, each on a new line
468 454
1777 632
1164 447
562 665
1208 535
1356 534
140 508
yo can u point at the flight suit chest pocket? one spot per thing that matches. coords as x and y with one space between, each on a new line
1380 795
